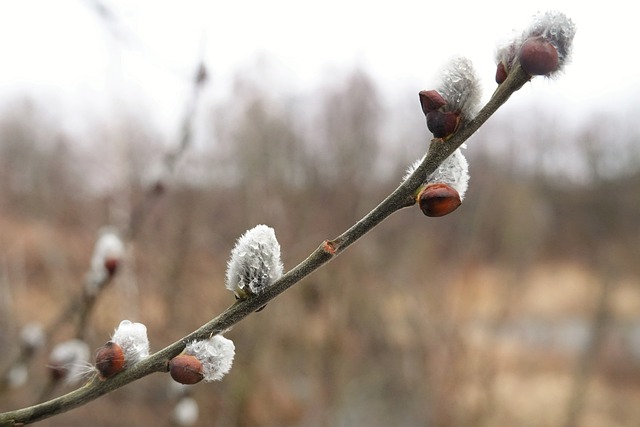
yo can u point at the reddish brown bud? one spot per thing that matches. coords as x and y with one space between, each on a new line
538 57
438 199
442 124
186 369
109 359
158 188
501 73
111 265
431 100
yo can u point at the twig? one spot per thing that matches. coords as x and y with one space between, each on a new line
401 197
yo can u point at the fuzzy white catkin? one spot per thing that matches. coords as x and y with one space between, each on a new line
460 87
132 338
216 355
255 262
72 356
553 26
108 247
32 335
557 29
453 171
17 375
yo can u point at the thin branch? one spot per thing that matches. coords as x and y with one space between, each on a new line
401 197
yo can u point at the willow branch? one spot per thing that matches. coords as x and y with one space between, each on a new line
401 197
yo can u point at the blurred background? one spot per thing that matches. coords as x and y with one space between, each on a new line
183 124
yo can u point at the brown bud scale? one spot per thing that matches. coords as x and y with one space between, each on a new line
442 123
431 100
109 359
186 369
538 57
501 73
438 199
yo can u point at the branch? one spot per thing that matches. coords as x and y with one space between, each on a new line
401 197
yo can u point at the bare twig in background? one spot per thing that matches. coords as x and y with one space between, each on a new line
81 307
156 189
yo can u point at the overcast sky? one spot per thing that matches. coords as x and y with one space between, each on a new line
65 53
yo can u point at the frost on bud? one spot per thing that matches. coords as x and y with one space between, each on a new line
255 262
128 345
542 49
208 360
455 101
106 259
68 360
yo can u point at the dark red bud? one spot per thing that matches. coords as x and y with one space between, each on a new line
109 359
186 369
158 188
442 123
431 100
438 200
538 57
501 73
111 265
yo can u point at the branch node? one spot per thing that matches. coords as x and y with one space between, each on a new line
329 247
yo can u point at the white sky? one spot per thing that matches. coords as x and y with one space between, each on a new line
61 51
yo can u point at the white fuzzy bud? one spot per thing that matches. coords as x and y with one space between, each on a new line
69 360
456 100
216 355
552 27
106 259
17 375
460 87
255 262
556 28
453 171
32 336
132 338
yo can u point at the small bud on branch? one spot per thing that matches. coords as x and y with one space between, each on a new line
255 262
542 49
208 360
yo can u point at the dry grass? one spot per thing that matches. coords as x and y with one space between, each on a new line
352 346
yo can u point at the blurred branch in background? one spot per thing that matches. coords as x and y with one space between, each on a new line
80 308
